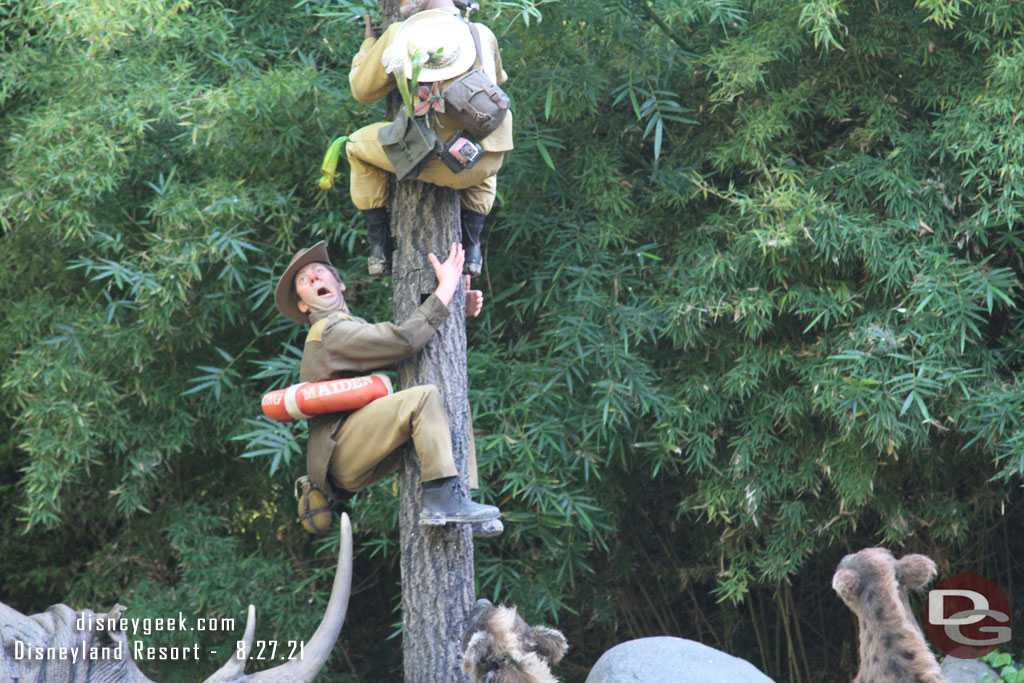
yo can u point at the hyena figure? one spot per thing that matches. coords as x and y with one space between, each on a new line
875 585
500 647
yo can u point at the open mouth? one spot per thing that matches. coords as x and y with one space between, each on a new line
322 291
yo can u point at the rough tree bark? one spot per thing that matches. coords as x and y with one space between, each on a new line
436 562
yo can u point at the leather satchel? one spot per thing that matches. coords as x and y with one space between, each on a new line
475 101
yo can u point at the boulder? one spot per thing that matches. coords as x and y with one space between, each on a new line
667 660
958 670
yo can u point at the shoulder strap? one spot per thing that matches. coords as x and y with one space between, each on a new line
476 40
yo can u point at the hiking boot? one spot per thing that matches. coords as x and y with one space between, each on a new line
472 225
378 234
444 504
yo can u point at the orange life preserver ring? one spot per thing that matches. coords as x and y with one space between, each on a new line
303 401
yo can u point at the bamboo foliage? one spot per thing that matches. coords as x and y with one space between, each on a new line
753 287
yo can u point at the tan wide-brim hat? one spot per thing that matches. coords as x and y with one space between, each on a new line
283 295
429 31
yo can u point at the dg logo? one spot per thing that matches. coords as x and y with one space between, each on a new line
968 616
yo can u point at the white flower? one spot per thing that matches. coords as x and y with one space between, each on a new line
391 61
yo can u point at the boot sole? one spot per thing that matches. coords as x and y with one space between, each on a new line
488 529
448 519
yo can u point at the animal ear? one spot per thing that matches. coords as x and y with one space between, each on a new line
475 652
914 571
846 582
551 644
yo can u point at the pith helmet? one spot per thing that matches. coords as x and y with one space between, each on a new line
437 32
283 296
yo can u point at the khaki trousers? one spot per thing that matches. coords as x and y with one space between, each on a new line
368 183
366 443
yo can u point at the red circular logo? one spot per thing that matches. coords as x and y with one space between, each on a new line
967 616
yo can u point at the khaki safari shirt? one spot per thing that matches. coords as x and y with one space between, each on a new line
370 82
339 346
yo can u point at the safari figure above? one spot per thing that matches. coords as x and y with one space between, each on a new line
350 451
440 53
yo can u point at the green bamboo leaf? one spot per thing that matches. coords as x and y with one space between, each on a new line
544 154
906 403
658 131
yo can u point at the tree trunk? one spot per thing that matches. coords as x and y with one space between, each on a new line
436 562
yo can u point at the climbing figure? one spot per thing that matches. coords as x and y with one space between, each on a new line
459 120
349 451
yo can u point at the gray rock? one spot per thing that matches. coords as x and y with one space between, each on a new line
671 660
966 670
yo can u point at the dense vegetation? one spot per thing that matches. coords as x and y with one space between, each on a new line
753 292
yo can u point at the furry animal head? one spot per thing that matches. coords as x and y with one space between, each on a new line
875 585
872 572
500 647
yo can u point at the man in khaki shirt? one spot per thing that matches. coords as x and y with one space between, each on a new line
371 81
350 451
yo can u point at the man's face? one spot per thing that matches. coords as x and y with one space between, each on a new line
318 289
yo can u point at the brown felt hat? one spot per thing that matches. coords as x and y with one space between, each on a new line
283 296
